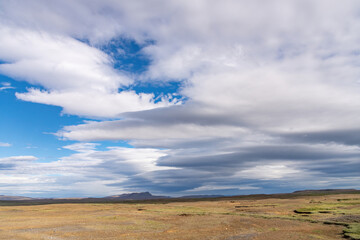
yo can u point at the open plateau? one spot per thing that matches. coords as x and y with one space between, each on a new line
321 214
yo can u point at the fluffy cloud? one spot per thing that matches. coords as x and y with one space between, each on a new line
265 52
86 172
56 61
74 75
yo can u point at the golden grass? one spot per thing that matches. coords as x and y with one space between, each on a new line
226 219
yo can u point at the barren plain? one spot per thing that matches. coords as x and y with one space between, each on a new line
302 217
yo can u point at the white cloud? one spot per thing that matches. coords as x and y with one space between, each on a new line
6 85
268 73
268 172
15 159
117 159
132 130
23 179
314 54
3 144
81 147
56 62
76 76
272 98
88 172
93 103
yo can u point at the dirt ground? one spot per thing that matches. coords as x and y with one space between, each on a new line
267 219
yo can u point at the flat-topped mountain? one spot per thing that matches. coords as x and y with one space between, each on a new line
13 198
136 196
148 195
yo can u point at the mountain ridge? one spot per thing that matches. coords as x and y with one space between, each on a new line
149 196
136 196
14 198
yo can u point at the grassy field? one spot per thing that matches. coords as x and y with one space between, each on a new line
300 217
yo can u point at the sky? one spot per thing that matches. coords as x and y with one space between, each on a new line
178 97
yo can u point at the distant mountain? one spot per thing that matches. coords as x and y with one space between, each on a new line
326 191
202 196
14 198
149 196
135 196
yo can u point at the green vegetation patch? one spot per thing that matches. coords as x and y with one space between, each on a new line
313 210
348 199
337 207
352 231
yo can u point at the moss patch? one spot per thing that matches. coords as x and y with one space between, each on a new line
352 231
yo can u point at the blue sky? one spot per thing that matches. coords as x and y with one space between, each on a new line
27 126
176 98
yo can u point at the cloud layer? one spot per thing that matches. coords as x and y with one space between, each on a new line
272 91
71 74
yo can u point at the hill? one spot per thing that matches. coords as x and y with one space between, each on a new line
136 196
14 198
